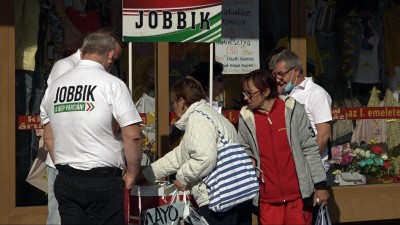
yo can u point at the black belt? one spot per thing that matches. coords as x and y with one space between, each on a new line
95 172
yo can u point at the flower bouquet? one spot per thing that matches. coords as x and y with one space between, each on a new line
370 160
342 158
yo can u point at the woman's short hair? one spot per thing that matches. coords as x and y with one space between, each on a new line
189 89
262 79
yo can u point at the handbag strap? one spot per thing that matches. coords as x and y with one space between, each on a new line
221 136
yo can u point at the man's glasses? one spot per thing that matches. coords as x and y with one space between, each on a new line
249 94
282 75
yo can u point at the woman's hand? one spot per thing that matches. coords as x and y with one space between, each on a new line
321 197
180 186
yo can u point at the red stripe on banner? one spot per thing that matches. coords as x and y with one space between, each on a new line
359 113
167 9
166 4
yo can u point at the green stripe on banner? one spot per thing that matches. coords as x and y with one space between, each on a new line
206 34
215 38
180 36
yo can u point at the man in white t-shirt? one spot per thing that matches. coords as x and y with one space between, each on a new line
59 68
77 112
287 70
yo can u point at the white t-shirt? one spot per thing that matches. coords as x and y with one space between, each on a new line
317 104
80 106
63 65
59 68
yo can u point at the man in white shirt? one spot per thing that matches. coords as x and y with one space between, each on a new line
80 107
288 72
59 68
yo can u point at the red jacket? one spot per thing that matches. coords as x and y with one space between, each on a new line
279 172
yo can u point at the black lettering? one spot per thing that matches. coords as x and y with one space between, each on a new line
78 93
62 95
204 19
181 20
84 93
167 20
58 91
90 93
173 213
140 24
148 218
193 20
158 216
153 19
164 213
70 94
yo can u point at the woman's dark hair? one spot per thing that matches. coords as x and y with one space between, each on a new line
262 79
201 72
189 89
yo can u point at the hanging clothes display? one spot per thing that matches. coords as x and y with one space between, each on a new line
393 127
363 40
342 130
371 130
361 60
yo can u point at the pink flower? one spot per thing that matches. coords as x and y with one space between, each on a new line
336 154
346 158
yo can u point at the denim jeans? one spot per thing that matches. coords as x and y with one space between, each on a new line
52 205
90 200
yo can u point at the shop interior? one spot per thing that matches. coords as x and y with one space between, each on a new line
351 51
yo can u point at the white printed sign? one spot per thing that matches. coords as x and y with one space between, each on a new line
171 21
238 50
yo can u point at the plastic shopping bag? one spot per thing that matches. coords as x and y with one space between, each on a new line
37 174
168 214
190 214
323 216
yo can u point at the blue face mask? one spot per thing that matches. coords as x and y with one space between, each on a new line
289 86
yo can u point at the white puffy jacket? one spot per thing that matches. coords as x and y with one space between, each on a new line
196 155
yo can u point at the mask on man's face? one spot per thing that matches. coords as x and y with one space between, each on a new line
289 86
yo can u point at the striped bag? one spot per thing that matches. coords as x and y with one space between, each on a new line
233 180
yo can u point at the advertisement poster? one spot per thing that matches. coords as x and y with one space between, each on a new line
238 50
171 21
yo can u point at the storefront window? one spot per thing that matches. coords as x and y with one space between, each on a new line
273 28
144 95
351 53
45 32
29 80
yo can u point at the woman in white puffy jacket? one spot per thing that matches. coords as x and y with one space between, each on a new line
196 155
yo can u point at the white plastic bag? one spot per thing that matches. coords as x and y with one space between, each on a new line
190 214
323 216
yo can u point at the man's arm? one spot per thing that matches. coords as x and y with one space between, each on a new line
133 147
323 135
48 140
